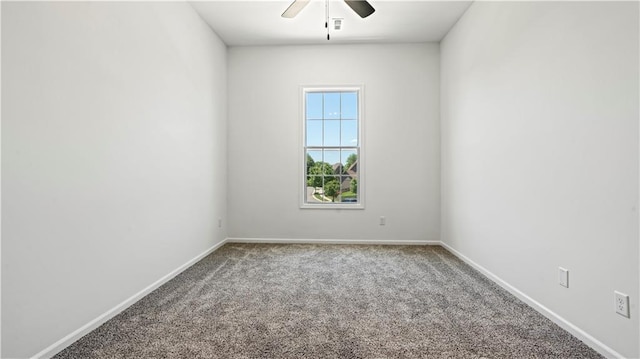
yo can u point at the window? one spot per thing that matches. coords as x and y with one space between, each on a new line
332 148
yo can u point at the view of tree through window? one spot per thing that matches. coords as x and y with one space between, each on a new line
331 147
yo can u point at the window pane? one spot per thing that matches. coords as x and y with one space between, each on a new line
348 158
313 157
314 133
314 105
332 133
349 105
349 133
331 188
344 184
316 155
332 105
314 182
332 157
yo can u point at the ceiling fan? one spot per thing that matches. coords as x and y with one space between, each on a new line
361 7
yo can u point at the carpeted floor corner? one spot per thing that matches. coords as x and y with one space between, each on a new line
329 301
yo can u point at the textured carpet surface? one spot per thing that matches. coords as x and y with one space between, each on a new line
329 301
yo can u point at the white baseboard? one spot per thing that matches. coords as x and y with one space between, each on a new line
95 323
333 241
560 321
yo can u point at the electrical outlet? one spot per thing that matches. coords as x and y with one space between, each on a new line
563 277
621 303
383 221
219 222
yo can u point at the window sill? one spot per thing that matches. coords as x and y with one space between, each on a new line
332 206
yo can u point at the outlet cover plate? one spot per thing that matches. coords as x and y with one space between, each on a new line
563 277
621 303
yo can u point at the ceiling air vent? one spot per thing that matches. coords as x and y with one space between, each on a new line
337 24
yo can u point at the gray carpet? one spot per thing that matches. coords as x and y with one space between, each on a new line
329 301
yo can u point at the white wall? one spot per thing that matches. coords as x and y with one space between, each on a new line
540 114
113 158
401 139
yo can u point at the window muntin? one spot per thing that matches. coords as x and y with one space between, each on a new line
332 148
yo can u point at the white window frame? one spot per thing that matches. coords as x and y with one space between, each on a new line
359 89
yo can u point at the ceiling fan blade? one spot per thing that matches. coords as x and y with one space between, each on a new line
295 7
361 7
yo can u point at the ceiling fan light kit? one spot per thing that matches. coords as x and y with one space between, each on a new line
360 7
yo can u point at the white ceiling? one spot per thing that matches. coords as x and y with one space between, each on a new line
258 22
